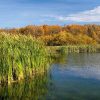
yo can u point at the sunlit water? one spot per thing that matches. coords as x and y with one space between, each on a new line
70 77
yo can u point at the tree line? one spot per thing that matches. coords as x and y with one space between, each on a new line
60 35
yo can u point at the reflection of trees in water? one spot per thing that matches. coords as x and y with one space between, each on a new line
26 90
83 59
59 58
76 59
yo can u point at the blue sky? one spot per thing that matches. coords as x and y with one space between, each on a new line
17 13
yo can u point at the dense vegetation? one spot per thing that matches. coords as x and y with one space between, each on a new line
20 56
24 51
61 35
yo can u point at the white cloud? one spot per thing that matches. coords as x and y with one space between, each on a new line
85 16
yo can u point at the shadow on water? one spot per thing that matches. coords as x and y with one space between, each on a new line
70 77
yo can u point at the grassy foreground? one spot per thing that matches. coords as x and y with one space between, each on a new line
20 56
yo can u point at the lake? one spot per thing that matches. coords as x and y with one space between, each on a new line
70 77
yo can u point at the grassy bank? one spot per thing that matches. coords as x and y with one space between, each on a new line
20 56
74 49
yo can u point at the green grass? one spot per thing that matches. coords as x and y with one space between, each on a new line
20 56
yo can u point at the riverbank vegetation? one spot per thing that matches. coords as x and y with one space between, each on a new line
74 49
25 51
20 56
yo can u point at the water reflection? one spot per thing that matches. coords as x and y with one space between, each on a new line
83 65
70 77
59 58
26 90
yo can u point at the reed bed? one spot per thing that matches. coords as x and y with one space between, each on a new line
74 49
20 56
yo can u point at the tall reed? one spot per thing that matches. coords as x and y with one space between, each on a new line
20 56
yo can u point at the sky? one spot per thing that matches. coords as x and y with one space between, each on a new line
19 13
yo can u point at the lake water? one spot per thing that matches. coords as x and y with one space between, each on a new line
70 77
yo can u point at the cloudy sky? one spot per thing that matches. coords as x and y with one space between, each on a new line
17 13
